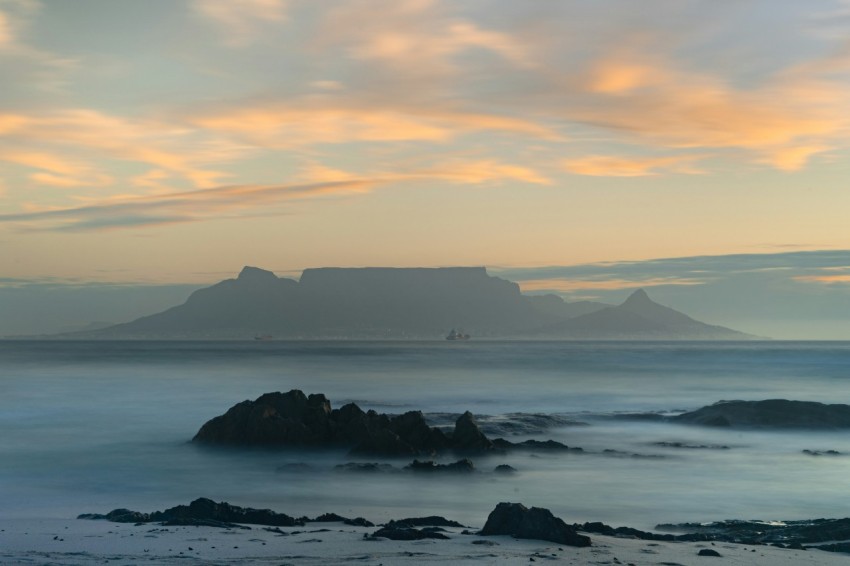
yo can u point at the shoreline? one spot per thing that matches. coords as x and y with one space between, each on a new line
79 542
74 542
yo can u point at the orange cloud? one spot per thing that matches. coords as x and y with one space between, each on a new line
622 77
783 121
611 166
824 279
284 127
455 171
571 285
70 182
415 37
176 149
6 36
477 172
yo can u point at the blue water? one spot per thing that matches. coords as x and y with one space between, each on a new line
91 426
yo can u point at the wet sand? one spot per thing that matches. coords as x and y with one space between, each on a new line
72 542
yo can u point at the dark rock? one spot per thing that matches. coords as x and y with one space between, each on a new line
273 419
127 516
822 452
334 518
517 520
761 532
189 522
429 521
401 533
467 437
367 467
504 469
464 466
329 518
708 552
295 420
623 532
537 445
772 413
691 446
203 511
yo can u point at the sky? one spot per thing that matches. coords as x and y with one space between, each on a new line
697 148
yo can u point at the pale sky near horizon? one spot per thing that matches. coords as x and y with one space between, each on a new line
173 141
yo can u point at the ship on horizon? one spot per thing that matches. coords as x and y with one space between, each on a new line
457 335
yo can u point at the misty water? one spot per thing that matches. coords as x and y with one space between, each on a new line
91 426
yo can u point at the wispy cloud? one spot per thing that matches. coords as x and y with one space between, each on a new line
242 22
416 37
613 166
178 149
575 285
824 279
122 212
330 121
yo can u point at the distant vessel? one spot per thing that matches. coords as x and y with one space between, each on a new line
263 337
457 335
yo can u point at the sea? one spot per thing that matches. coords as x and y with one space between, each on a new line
87 427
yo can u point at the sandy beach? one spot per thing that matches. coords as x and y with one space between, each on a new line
74 542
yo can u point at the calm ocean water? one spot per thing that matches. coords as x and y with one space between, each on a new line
91 426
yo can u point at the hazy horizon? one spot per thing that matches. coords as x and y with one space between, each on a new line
761 294
697 149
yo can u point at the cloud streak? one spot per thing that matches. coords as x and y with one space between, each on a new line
241 22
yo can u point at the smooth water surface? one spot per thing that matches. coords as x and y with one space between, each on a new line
91 426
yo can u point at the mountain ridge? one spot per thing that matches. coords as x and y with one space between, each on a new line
402 303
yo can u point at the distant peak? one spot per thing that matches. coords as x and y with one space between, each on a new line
638 297
249 273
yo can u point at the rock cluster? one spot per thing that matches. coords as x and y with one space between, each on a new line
294 419
202 511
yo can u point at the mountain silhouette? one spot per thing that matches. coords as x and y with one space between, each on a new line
639 317
401 303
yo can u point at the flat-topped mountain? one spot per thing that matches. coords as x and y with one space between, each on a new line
401 303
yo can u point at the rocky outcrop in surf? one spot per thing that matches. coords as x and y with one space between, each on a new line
294 419
772 413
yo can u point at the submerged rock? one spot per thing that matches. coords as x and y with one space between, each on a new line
772 413
403 533
538 445
294 419
334 518
464 466
429 521
365 467
516 520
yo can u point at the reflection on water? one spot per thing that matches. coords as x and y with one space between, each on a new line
98 425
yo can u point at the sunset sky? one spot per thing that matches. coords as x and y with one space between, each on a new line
568 145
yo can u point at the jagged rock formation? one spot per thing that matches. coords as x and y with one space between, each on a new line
772 413
294 419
